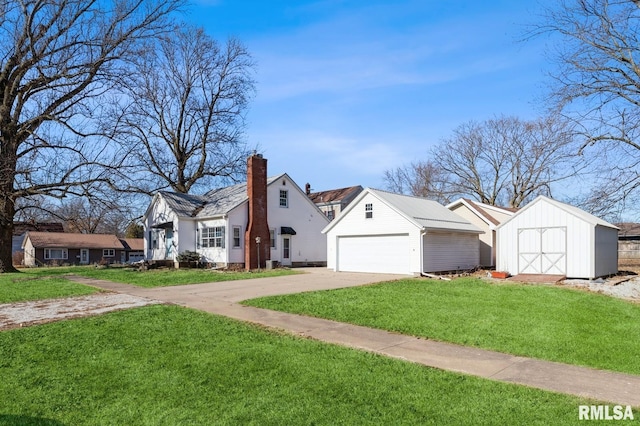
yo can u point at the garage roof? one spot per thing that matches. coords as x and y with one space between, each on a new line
424 213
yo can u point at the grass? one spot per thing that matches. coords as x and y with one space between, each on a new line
543 322
168 277
166 365
36 284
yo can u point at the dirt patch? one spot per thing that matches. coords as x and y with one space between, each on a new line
22 314
621 286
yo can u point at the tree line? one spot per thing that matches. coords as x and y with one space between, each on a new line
588 135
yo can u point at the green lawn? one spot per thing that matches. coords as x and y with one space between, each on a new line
35 284
530 320
168 277
167 365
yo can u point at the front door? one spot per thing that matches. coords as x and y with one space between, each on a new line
84 256
168 239
286 251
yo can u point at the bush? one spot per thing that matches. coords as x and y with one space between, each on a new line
189 256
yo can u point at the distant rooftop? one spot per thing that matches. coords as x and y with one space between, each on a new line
334 195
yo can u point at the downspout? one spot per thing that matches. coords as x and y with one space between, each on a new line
423 232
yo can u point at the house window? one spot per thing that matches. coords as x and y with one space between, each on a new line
108 252
331 214
272 238
53 253
212 237
236 237
368 211
284 198
154 239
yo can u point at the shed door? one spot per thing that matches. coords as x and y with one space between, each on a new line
374 253
542 250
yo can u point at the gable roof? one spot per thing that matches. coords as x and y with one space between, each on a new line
335 195
216 202
72 240
573 210
423 213
483 210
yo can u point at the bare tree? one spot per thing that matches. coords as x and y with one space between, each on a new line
509 161
57 59
94 215
420 178
185 110
597 83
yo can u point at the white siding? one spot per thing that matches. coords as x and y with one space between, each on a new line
486 244
449 251
385 221
581 259
309 245
216 255
160 212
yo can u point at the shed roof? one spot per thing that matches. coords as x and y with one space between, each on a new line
424 213
573 210
70 240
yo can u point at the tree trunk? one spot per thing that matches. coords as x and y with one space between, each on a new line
7 207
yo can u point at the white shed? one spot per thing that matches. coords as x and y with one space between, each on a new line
550 237
392 233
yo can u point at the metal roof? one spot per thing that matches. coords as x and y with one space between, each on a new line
216 202
426 213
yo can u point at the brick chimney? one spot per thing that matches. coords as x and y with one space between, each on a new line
258 225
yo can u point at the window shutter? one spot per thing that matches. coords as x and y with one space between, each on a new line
198 238
222 228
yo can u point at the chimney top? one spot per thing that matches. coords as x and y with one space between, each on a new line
307 188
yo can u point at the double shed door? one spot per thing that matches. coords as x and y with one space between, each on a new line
542 250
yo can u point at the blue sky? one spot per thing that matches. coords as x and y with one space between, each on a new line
349 89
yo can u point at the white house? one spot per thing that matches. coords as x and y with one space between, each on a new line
487 218
390 233
222 225
550 237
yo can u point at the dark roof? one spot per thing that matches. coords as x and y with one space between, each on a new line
628 229
69 240
20 228
334 195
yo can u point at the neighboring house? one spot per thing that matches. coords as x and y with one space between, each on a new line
42 248
21 228
629 241
334 201
487 218
133 249
391 233
550 237
222 225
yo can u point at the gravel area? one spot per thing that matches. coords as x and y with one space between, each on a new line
14 315
624 287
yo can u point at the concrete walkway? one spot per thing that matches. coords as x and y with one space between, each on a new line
221 298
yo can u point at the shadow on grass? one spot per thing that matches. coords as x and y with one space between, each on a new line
16 419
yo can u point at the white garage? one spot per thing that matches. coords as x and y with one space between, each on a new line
391 233
554 238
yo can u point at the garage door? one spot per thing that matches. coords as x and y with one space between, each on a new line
542 250
374 253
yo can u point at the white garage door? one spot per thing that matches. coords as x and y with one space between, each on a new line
374 253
